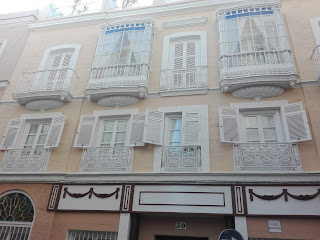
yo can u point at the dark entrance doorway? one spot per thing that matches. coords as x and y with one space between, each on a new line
179 238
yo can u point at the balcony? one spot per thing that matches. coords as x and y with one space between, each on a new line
181 159
253 74
316 59
25 160
106 159
45 89
184 79
118 85
267 157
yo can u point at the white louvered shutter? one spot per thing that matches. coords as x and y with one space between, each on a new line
11 134
295 123
86 131
55 132
229 125
191 129
153 129
136 129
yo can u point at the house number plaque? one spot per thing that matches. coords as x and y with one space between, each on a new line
181 225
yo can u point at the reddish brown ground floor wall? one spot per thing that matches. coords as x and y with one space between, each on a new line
292 228
210 227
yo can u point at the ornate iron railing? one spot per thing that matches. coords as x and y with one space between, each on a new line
47 80
106 159
184 78
119 76
181 159
267 157
256 64
316 59
15 230
25 160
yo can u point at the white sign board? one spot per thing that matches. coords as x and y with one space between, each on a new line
181 225
274 226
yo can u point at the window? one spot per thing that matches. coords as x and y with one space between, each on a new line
184 61
91 235
28 141
123 50
113 133
16 216
252 36
2 46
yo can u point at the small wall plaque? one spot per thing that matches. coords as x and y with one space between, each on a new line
274 226
181 225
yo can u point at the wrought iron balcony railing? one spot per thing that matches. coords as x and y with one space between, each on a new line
316 59
106 159
184 78
47 81
267 157
119 76
181 159
15 230
25 160
257 63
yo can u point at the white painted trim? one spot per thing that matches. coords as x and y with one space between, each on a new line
203 110
259 105
124 227
4 43
3 85
40 115
53 49
34 208
181 35
187 22
184 92
17 21
315 24
118 112
241 226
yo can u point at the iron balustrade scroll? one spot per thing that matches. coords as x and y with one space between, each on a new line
119 76
184 78
25 160
258 63
316 59
267 157
47 80
181 159
106 159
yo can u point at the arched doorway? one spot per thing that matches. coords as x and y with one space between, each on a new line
16 216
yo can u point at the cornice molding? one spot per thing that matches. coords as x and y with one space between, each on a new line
223 178
188 22
17 21
154 11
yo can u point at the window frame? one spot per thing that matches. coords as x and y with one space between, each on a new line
4 43
26 131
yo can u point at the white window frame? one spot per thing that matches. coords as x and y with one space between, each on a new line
171 111
315 24
4 43
166 53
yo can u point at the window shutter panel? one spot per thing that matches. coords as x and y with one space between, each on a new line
11 134
153 129
191 129
191 55
55 132
67 60
178 56
86 130
295 122
136 129
56 61
229 125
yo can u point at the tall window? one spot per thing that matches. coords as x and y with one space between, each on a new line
37 135
123 49
173 127
252 36
114 133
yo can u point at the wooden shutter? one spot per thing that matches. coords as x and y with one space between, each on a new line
153 129
11 134
191 129
136 129
229 125
55 132
86 131
295 123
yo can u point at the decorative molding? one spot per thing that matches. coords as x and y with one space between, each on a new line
183 92
154 11
43 105
90 193
40 115
118 101
126 197
284 193
16 21
258 92
264 104
188 22
54 196
239 200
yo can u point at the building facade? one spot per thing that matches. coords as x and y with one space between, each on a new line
175 120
